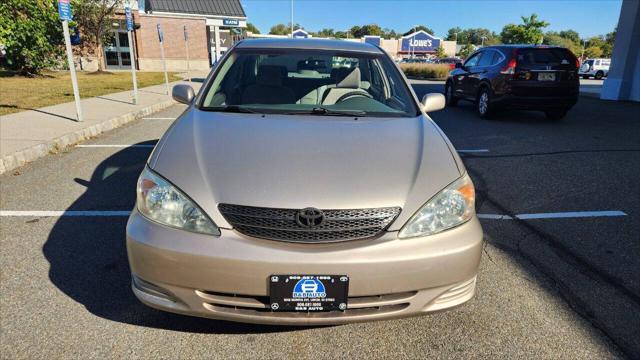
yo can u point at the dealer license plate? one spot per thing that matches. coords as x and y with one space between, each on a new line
308 293
546 76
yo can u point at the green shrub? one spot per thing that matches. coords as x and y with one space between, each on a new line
427 71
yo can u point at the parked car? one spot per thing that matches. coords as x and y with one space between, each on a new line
303 201
451 61
527 77
598 68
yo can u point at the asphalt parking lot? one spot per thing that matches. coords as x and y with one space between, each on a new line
561 282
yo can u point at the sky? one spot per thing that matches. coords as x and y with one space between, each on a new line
587 17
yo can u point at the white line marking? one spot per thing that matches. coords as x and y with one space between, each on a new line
474 151
63 213
557 215
116 146
160 118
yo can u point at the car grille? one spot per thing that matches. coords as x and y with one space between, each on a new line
281 224
259 305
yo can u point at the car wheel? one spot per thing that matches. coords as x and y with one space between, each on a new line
483 103
452 100
599 75
556 114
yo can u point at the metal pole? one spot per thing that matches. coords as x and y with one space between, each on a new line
292 18
133 68
164 66
186 46
72 68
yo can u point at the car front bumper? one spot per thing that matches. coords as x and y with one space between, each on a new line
226 277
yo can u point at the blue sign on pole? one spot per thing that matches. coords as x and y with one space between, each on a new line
160 35
64 10
129 17
232 22
420 42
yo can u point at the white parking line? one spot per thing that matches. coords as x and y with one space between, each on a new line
116 146
9 213
557 215
474 151
108 213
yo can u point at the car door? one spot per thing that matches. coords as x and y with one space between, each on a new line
469 75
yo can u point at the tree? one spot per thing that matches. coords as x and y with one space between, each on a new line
466 50
593 52
371 29
282 29
418 28
252 28
31 33
472 36
440 52
95 17
556 39
341 34
529 32
326 32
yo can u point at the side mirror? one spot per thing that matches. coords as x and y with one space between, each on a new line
458 65
183 94
433 102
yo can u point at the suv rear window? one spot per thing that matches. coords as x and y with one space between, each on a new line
543 58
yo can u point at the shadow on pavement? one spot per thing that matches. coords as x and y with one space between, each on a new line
88 258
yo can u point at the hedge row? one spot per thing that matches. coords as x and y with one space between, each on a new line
427 71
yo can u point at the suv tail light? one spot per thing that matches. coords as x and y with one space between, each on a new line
510 68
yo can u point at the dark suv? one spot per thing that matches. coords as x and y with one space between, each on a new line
527 77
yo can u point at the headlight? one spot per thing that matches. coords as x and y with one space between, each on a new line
451 207
160 201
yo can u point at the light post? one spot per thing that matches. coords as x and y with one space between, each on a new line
292 19
584 45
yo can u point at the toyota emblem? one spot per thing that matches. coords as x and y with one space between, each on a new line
310 217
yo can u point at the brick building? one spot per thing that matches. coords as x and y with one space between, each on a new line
211 27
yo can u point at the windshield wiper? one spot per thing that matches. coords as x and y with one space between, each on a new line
234 109
331 112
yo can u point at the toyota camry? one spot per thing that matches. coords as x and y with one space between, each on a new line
305 184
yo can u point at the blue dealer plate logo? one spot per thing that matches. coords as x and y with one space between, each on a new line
309 289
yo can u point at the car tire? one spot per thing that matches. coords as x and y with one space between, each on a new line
556 114
484 108
599 75
452 100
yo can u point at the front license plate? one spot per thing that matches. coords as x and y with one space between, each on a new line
308 293
546 76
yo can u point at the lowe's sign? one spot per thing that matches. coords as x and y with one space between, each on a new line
420 41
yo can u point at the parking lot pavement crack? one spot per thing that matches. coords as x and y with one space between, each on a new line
548 153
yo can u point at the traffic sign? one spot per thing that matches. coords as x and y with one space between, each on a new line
64 10
127 14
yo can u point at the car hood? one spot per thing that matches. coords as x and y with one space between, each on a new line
286 161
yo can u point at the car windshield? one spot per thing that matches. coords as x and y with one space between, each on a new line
317 82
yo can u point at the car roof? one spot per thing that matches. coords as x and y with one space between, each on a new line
523 46
309 44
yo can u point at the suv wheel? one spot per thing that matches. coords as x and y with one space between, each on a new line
599 75
556 114
483 103
452 100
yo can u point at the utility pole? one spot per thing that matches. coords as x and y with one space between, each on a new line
292 19
64 12
186 46
132 59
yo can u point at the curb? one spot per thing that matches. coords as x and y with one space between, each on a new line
20 158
